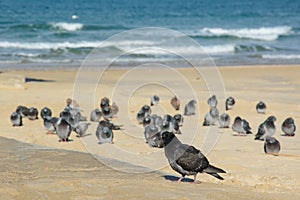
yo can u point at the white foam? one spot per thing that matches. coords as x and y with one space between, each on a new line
263 33
281 56
67 26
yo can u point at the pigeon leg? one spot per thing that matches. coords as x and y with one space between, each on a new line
195 179
179 180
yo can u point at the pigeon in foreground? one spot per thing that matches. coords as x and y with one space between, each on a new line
186 159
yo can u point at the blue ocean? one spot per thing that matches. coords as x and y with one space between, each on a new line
63 32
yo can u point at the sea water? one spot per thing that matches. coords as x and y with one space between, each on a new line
62 33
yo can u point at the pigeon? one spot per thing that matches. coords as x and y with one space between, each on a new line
33 113
288 127
150 134
16 119
154 100
211 117
22 110
107 112
179 119
267 128
241 126
229 103
72 103
66 114
140 116
271 146
81 128
146 109
170 124
190 108
104 102
261 107
186 159
110 125
114 109
104 134
147 120
45 112
157 120
63 129
175 102
212 101
49 124
224 120
95 115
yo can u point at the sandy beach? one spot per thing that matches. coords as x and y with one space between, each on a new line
35 165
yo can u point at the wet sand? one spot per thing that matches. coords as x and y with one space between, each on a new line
68 170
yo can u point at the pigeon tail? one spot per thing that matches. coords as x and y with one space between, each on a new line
212 170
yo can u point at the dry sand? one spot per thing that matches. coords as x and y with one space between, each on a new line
47 171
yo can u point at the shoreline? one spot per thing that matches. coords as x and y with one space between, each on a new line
73 67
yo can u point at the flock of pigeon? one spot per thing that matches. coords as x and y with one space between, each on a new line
159 132
71 119
187 160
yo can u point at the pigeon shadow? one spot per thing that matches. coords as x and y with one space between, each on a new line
175 178
27 79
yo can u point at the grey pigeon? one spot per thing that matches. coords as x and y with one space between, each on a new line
107 112
288 127
151 134
140 116
175 102
186 159
241 126
16 119
271 146
110 125
81 128
211 117
170 124
22 110
104 102
147 120
63 129
212 101
261 107
229 103
33 113
46 112
114 109
95 115
66 114
224 120
104 134
154 100
179 119
266 129
49 124
190 108
146 109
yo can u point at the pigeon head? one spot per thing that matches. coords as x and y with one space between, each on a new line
289 120
237 119
271 119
